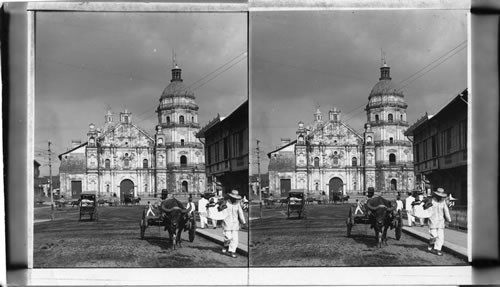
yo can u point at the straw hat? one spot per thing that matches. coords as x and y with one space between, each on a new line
234 194
440 192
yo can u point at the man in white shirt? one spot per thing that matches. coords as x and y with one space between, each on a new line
408 203
202 211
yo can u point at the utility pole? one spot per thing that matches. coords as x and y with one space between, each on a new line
258 178
50 184
50 176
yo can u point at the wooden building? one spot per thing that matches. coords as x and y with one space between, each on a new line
440 148
226 151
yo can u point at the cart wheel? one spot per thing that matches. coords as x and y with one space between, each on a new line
143 228
399 226
192 231
349 222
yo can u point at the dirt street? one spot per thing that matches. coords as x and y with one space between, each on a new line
321 240
114 241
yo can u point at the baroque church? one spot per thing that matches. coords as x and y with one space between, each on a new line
330 156
120 158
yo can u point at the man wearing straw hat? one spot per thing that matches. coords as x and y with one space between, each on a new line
439 213
233 216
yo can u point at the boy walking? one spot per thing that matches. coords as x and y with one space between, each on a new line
233 216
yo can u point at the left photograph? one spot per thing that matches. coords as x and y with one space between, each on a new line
141 140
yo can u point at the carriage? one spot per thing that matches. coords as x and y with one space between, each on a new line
296 202
364 218
88 206
158 220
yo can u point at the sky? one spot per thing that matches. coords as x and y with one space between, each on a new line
300 60
87 62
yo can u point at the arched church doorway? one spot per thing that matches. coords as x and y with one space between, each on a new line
126 189
335 186
394 184
185 186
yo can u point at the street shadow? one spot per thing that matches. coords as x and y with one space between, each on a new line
368 240
163 242
216 249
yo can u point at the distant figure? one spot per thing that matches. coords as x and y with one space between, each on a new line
358 208
408 203
399 203
202 211
150 209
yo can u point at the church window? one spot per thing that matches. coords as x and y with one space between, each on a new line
391 140
183 160
107 187
181 119
182 142
107 163
301 139
335 161
390 118
92 141
316 162
394 184
316 186
145 163
376 118
401 117
160 141
168 120
392 159
354 161
192 119
368 140
126 162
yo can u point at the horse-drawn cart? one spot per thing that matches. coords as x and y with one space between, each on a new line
88 206
296 203
362 215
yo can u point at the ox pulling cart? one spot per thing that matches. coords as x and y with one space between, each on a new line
296 203
160 218
88 206
363 214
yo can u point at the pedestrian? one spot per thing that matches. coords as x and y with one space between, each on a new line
399 203
190 207
150 209
202 211
233 216
418 204
409 212
439 213
358 208
213 213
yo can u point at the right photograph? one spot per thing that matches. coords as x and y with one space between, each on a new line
358 138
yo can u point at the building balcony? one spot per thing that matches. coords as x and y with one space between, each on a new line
191 167
185 145
380 104
172 106
389 123
180 125
394 142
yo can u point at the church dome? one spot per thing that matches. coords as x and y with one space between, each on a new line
176 86
385 86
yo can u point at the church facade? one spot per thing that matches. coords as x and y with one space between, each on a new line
120 158
330 156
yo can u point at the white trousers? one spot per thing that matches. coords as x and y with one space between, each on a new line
411 219
150 211
231 240
437 237
203 220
